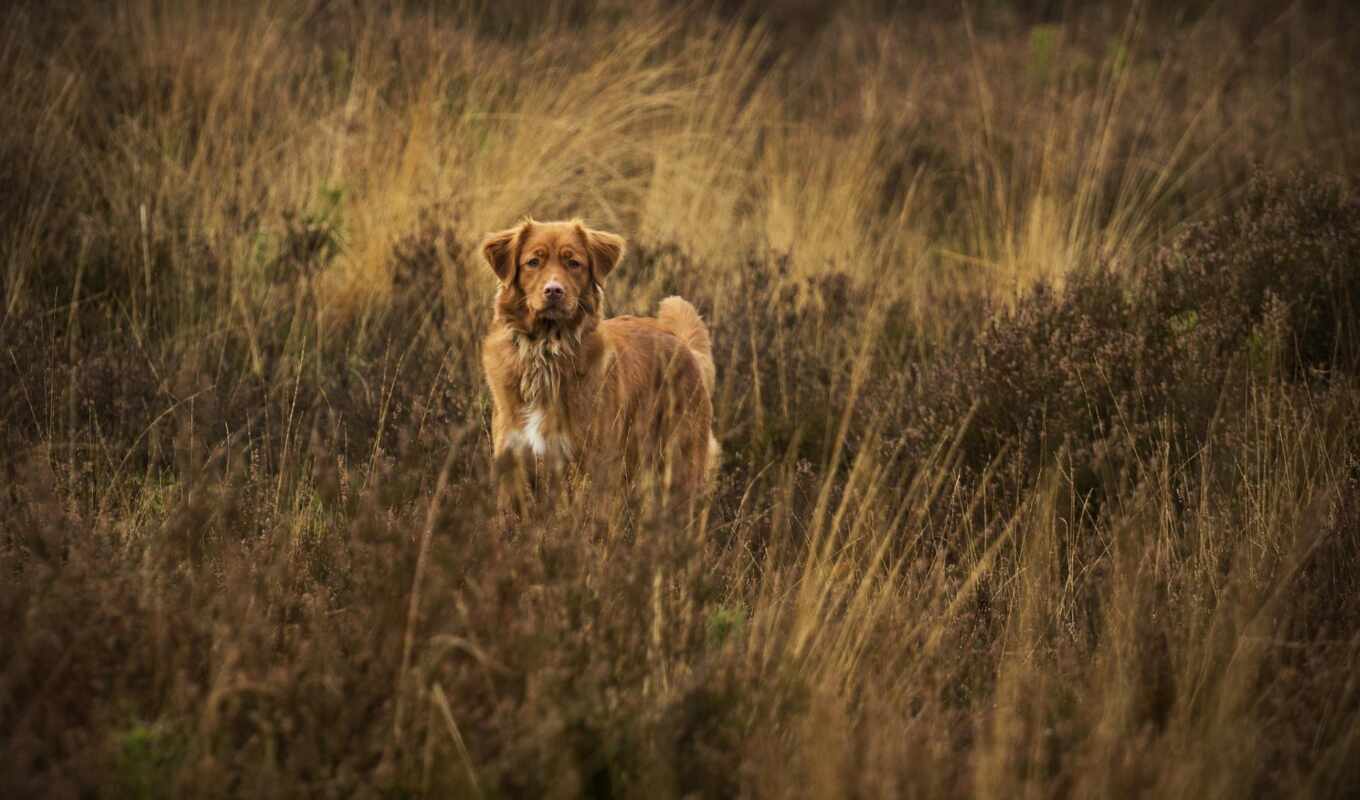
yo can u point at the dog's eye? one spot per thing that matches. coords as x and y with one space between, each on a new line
532 263
574 264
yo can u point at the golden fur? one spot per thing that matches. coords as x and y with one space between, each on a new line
573 392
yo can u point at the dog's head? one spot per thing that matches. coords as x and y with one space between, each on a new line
551 273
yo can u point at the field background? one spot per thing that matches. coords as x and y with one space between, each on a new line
1039 390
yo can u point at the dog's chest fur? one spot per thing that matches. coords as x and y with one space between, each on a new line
546 367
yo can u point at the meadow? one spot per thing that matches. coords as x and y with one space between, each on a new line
1038 338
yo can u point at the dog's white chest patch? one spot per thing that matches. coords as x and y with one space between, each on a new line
533 431
531 436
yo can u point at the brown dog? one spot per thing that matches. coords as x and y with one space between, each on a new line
574 392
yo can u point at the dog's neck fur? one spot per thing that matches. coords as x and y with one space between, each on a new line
546 350
544 356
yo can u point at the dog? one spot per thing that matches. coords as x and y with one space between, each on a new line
574 393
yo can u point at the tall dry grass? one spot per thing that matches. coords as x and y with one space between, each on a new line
1039 413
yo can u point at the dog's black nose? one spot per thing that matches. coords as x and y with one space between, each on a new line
554 291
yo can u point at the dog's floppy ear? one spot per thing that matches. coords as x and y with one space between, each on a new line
606 250
500 250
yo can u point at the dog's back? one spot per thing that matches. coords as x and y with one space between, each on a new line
680 318
665 364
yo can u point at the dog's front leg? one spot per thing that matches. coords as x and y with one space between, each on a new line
513 472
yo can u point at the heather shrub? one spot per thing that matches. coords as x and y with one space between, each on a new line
1092 376
1075 374
1287 256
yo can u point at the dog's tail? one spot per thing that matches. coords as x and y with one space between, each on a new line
680 318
